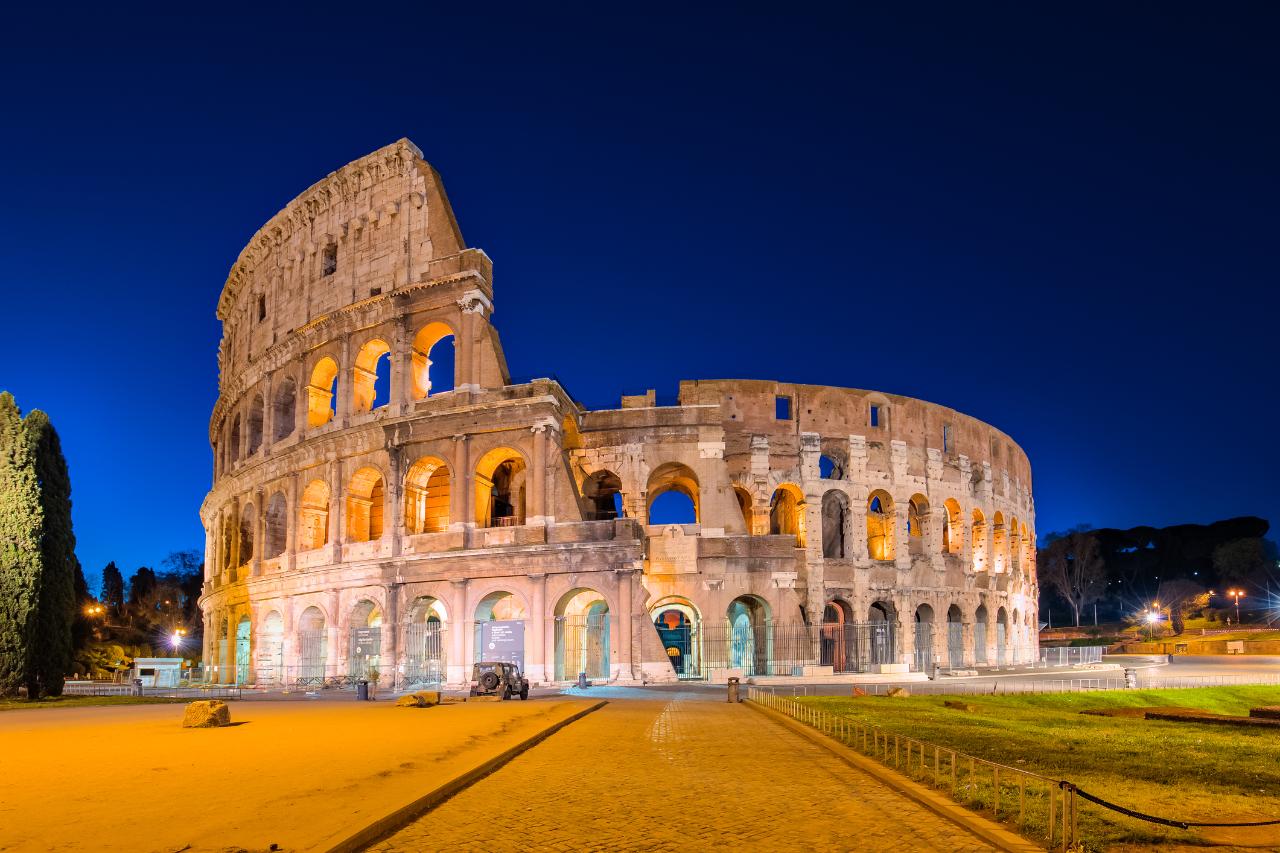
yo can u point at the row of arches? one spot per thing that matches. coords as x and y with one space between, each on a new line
430 367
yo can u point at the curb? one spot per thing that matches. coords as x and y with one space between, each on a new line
988 830
386 825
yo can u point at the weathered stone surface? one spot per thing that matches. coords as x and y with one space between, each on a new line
428 697
410 700
898 692
206 714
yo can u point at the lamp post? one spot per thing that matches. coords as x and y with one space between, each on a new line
1237 594
1153 616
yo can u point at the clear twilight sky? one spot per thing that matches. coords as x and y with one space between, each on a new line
1059 219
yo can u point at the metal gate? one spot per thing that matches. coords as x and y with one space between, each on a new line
582 645
980 643
1001 650
311 657
425 662
924 647
955 645
366 644
242 652
680 640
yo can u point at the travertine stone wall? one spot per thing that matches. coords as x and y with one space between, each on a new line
349 510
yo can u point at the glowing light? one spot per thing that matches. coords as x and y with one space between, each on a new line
1153 618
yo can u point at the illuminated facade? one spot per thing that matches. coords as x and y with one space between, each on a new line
385 499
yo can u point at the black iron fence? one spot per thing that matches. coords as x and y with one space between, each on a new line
695 650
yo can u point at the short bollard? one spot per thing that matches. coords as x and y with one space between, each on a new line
582 681
734 695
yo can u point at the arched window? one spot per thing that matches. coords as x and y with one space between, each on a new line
999 543
234 450
917 523
433 360
256 413
277 526
500 488
246 533
681 483
1015 545
322 392
426 497
365 498
786 513
880 545
980 562
602 496
744 505
830 468
953 531
284 409
835 509
313 520
371 377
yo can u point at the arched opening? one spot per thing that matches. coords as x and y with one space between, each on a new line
246 534
277 531
749 635
322 392
602 497
499 632
681 483
980 562
313 516
838 640
365 498
1015 545
256 412
244 629
1002 637
744 506
999 543
953 530
581 635
433 360
786 513
1014 638
830 467
425 646
230 529
880 526
917 524
365 641
500 488
234 449
980 638
371 377
270 657
284 410
835 509
924 638
224 651
679 630
955 637
426 497
1028 547
883 619
311 647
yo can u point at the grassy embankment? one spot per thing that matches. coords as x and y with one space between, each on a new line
83 702
1182 771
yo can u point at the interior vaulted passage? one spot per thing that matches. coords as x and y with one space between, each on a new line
387 500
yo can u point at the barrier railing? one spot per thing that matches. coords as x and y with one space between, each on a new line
1025 799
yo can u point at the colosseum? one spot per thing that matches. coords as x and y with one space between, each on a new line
387 503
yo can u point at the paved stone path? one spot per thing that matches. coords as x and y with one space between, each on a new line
678 775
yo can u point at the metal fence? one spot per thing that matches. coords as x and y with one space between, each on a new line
997 686
425 661
105 688
1071 655
1035 804
769 649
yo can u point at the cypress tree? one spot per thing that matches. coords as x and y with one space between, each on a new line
51 653
113 588
20 556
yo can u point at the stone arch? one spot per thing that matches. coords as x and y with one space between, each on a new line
426 496
284 409
834 461
953 529
500 488
270 657
674 477
233 451
1002 637
999 543
322 392
246 533
955 637
366 496
364 640
882 617
276 534
981 563
837 640
582 634
924 638
244 646
257 410
748 627
312 646
602 496
679 626
373 357
744 506
1015 545
499 605
425 641
917 524
313 516
786 513
835 512
880 524
431 345
980 638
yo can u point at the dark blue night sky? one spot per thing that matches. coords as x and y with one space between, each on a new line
1061 220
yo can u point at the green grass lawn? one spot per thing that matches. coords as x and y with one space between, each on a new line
83 702
1183 771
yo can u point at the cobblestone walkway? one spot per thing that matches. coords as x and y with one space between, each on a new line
679 775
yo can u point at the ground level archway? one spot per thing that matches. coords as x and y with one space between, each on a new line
679 629
499 632
581 635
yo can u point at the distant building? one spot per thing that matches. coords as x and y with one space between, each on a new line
385 498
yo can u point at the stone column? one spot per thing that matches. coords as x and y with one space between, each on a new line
346 384
395 498
401 375
259 528
337 511
335 642
288 642
268 416
301 401
623 667
906 631
538 486
460 629
536 664
462 511
389 650
294 509
857 547
901 538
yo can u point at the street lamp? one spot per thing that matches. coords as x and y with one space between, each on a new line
1237 594
176 639
1153 616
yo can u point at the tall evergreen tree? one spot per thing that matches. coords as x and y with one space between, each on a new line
20 527
113 588
51 656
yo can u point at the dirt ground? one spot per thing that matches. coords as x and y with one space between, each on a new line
299 775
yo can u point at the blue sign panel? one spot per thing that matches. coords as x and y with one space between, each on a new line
502 641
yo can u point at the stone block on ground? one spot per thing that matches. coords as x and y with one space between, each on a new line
452 700
206 714
897 692
410 700
429 697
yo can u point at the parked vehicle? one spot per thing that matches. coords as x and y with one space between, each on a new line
489 678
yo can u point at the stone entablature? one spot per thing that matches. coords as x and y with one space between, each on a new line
364 499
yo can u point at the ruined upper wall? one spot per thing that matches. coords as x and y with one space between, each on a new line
372 226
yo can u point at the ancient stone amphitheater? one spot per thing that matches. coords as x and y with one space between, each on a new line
387 502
